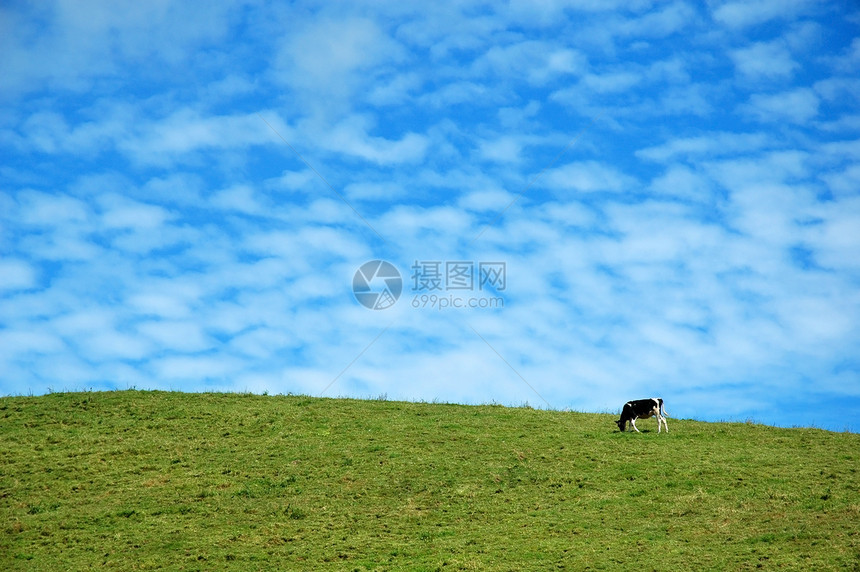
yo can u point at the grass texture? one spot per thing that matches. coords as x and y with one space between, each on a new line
134 480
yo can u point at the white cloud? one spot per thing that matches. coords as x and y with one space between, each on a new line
186 131
109 345
683 182
845 182
305 181
714 144
161 304
764 60
423 228
815 322
503 149
668 19
304 245
241 199
849 61
330 59
61 244
549 12
51 209
120 212
16 274
797 106
15 342
487 200
379 190
611 82
263 342
177 336
396 90
69 46
586 176
458 92
46 131
536 62
352 137
739 174
207 368
734 14
835 240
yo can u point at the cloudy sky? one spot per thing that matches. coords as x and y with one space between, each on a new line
583 202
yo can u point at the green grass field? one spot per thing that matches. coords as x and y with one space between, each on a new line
135 480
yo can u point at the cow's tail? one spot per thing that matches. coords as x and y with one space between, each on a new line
663 408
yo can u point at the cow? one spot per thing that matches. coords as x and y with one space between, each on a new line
643 409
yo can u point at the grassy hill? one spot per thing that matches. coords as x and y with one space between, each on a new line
136 480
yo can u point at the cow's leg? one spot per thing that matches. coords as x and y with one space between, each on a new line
665 424
633 424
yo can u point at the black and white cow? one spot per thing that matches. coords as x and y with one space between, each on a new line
643 409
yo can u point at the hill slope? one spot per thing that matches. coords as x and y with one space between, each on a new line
142 480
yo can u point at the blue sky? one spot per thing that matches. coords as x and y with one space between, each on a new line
671 188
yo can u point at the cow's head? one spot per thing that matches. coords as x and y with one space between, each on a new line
621 423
